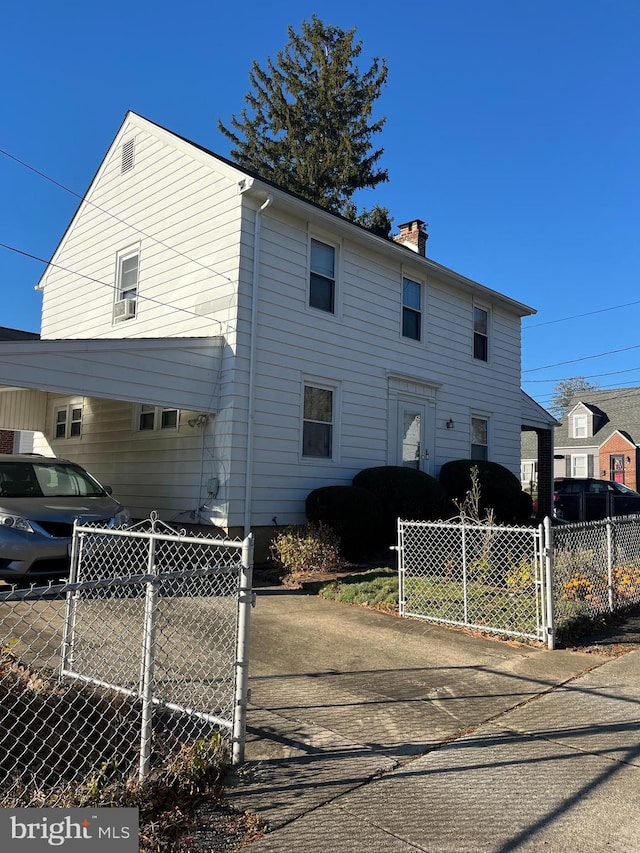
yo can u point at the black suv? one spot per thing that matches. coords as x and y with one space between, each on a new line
588 499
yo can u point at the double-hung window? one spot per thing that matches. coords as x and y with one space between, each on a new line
127 277
317 422
580 426
411 309
151 418
480 333
68 421
322 277
479 438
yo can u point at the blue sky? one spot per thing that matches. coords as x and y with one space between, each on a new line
513 129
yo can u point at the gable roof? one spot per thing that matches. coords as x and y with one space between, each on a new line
613 410
253 182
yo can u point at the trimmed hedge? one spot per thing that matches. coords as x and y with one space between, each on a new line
500 489
403 493
354 514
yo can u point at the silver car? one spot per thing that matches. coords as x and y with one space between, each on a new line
40 497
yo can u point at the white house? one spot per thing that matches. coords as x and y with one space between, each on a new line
215 347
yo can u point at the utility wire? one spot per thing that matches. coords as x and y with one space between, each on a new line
82 198
113 287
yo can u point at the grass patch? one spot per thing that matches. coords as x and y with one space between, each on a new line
377 589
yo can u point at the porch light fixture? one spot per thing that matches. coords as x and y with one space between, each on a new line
450 424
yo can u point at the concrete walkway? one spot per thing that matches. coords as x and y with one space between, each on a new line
372 733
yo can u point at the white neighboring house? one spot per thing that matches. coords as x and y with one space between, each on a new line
215 347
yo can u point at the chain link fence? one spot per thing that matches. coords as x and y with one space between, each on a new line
115 674
534 583
473 575
596 568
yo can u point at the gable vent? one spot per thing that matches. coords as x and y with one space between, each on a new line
128 151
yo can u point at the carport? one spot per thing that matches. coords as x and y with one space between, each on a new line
179 372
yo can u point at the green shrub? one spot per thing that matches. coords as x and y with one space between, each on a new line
308 548
354 514
403 493
499 489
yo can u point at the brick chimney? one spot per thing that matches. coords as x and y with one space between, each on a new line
414 236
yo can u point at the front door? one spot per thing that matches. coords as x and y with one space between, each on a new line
616 465
412 450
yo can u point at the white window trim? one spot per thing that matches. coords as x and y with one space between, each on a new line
157 420
119 293
335 388
337 274
487 309
68 421
423 299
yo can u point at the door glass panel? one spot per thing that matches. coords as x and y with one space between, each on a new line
411 428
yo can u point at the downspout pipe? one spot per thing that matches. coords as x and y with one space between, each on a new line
248 485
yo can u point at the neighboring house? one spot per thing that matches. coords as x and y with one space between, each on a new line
215 347
599 437
16 441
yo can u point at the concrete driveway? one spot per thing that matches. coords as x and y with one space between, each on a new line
342 695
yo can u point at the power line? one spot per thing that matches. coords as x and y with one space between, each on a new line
82 198
583 358
586 376
525 328
113 287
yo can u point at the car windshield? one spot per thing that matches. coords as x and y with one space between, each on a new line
620 487
33 479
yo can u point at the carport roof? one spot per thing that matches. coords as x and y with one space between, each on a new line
172 372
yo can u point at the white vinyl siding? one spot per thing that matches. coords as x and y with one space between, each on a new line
163 474
182 213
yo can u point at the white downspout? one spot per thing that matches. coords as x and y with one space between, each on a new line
248 485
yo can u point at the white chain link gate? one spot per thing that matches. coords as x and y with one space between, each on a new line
143 653
479 576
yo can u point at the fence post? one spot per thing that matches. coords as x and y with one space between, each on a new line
610 552
147 664
71 605
400 563
245 601
464 570
548 564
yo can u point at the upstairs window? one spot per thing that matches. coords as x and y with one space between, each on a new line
322 277
480 333
580 426
317 424
479 439
127 275
411 309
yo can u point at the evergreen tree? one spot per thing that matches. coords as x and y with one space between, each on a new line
308 125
